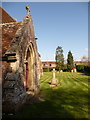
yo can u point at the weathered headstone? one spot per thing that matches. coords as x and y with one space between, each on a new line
54 81
61 70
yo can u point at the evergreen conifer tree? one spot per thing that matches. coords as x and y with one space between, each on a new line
70 61
59 58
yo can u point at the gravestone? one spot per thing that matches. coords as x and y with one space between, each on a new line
54 81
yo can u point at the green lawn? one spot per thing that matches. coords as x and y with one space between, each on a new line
69 100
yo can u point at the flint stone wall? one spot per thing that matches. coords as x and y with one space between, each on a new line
14 91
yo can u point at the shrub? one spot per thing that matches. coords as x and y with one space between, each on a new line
83 68
50 69
57 69
87 68
47 69
65 68
80 68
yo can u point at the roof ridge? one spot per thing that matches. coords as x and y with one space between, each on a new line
9 23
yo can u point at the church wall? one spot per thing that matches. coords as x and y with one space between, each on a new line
14 87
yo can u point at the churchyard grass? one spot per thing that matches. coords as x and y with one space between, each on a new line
68 100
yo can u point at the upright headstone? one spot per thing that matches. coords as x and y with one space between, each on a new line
54 80
61 70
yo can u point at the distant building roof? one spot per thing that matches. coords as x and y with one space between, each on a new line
75 62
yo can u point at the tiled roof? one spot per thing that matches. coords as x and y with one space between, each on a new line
8 33
8 29
6 18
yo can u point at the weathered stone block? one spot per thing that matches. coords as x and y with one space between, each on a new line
9 84
12 76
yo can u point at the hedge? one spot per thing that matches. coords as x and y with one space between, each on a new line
57 69
80 68
83 68
47 69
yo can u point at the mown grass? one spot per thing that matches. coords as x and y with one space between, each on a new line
69 100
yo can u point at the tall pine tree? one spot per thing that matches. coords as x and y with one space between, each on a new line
70 64
59 58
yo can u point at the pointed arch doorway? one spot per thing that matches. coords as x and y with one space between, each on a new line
30 69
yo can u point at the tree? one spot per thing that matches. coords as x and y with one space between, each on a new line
59 58
70 64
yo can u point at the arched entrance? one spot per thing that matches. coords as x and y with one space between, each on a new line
30 68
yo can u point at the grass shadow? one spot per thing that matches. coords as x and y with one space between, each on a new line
57 103
69 101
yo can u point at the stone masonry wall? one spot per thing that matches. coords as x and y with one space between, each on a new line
14 91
